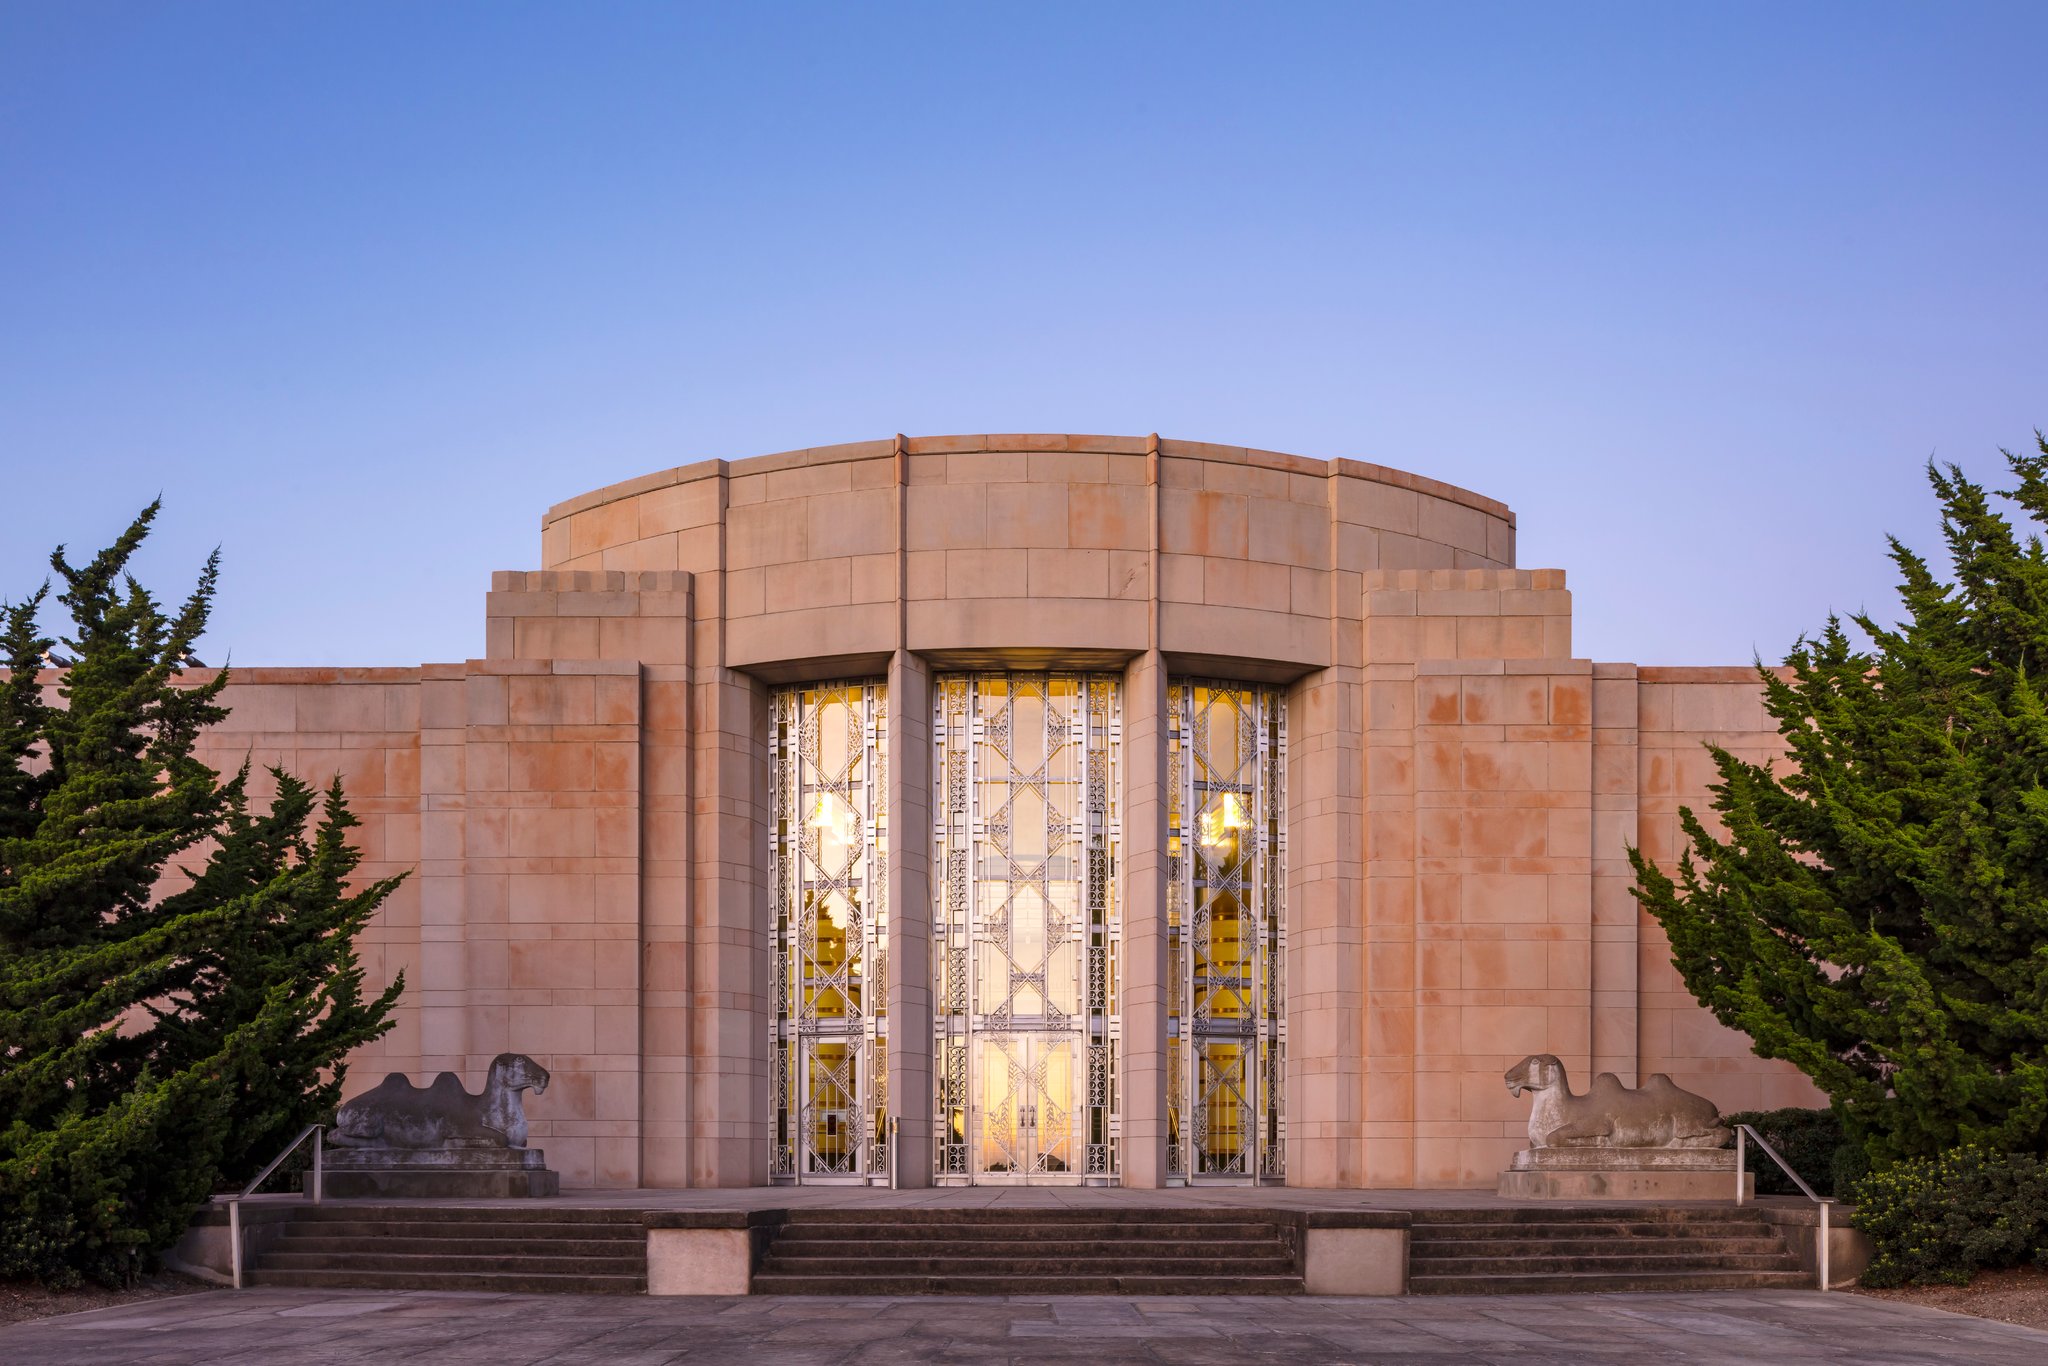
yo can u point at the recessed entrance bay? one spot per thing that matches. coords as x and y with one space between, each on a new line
828 851
1226 879
1026 929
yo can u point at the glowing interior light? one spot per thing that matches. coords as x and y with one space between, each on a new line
834 817
1220 826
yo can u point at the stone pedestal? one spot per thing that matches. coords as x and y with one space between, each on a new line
1624 1174
438 1173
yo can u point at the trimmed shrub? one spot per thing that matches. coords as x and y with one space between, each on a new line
1940 1220
1852 1164
1811 1140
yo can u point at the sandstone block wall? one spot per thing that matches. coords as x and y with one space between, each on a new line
585 807
363 725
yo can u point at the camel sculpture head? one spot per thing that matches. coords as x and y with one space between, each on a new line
1537 1072
519 1072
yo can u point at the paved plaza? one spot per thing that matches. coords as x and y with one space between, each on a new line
304 1327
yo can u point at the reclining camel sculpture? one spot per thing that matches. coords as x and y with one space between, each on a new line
1658 1114
396 1114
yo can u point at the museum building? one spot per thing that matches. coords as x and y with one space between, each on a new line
1037 809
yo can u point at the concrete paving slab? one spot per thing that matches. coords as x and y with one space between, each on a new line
278 1327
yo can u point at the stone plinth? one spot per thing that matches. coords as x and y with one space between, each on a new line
439 1173
1624 1174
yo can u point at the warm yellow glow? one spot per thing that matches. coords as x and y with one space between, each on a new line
1220 826
833 816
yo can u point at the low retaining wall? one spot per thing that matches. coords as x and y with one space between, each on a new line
1849 1249
202 1251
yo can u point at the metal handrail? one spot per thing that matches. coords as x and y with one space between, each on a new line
318 1132
1743 1131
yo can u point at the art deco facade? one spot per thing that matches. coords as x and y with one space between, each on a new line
1021 809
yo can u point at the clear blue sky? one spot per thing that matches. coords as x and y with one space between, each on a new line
363 287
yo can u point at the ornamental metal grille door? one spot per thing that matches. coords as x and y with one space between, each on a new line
1226 868
829 849
1026 928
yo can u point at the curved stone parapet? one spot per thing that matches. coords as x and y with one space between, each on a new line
1017 549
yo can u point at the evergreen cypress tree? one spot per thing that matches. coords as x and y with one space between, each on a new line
145 1042
1877 914
287 881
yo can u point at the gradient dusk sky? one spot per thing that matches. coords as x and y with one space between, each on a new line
362 288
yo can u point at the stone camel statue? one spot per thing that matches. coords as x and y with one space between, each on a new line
396 1114
1658 1114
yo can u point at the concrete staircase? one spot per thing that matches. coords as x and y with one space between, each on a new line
1007 1251
1580 1248
413 1247
1032 1252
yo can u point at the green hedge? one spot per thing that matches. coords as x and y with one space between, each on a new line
1940 1220
1811 1140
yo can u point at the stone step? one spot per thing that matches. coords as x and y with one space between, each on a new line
1104 1264
1023 1232
767 1283
502 1282
1030 1252
1453 1233
461 1228
507 1212
509 1249
1032 1214
308 1241
1542 1265
1674 1245
1596 1249
801 1246
534 1260
1564 1214
1597 1283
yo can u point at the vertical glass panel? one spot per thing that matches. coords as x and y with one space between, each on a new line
829 1107
1000 1073
1025 926
1226 848
828 838
1052 1090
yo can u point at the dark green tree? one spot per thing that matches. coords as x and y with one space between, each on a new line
285 877
1875 911
147 1041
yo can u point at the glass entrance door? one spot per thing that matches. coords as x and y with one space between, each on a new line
1026 1109
1025 928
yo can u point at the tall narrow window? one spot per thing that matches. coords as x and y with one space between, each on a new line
1025 931
1226 864
829 843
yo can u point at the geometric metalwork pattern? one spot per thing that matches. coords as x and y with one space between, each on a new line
1026 928
828 836
1226 846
